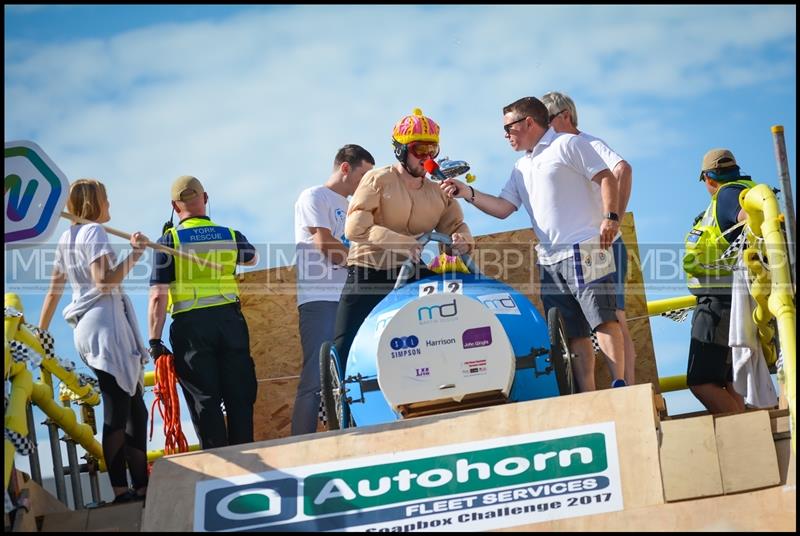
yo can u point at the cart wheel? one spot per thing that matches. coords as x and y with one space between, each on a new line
560 356
331 387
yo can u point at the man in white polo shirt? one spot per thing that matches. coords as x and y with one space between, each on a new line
555 181
564 118
319 216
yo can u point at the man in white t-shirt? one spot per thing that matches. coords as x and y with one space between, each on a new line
564 118
322 247
557 181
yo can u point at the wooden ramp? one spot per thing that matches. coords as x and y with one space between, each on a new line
583 462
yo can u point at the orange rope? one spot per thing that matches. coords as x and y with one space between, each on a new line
166 396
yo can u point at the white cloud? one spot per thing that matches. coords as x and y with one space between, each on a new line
256 104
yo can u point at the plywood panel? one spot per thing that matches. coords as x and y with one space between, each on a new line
771 510
172 482
746 449
689 461
269 304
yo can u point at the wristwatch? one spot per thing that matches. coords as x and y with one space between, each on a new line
612 216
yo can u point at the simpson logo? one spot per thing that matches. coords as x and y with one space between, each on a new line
405 346
398 343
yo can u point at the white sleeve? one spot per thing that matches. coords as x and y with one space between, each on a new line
312 211
511 190
583 158
96 243
58 262
609 156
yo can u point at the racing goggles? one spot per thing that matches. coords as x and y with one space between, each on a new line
423 149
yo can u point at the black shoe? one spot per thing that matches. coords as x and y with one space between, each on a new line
125 497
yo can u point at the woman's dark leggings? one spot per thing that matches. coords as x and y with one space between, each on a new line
364 289
124 432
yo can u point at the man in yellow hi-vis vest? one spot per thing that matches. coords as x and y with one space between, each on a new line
208 333
709 373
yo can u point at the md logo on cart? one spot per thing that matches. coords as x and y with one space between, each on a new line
437 313
237 507
501 303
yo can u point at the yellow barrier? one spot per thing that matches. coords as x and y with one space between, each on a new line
765 219
24 389
16 417
760 290
153 455
657 307
668 384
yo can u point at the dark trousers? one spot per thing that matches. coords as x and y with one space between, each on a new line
213 363
124 432
364 289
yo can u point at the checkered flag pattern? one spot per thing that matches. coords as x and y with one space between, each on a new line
595 344
22 444
322 417
677 315
728 258
83 379
19 352
11 312
47 342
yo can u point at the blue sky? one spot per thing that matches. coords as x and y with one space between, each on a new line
255 101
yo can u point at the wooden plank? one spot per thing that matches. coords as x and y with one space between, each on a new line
772 510
786 467
689 460
174 478
72 521
746 449
24 519
126 517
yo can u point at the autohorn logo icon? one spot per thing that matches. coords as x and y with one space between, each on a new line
251 505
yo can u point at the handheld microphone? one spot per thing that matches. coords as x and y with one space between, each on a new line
433 171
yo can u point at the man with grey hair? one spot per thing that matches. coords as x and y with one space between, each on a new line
564 118
571 198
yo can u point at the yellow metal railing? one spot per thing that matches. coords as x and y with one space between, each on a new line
24 389
764 218
771 289
40 393
657 307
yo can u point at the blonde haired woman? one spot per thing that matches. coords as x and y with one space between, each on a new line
106 332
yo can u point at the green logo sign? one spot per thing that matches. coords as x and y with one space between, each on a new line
380 485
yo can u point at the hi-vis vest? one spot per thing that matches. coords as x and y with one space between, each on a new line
705 245
196 285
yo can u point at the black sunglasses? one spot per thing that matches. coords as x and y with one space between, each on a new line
553 116
507 127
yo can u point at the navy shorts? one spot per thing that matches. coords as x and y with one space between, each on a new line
584 308
621 263
709 353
